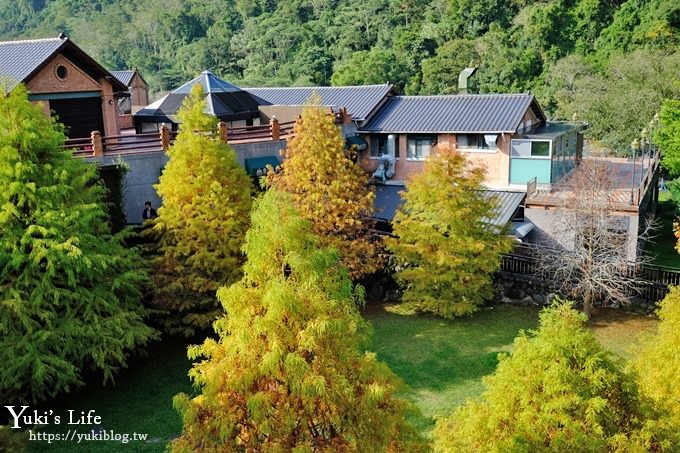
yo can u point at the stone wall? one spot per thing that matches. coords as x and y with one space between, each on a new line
528 292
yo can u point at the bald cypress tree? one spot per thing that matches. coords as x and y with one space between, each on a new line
658 366
329 189
446 247
559 390
287 371
70 291
201 225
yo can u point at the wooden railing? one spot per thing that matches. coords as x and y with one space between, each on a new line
649 177
651 282
100 146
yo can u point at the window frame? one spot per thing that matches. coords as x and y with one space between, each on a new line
476 149
418 138
531 142
382 138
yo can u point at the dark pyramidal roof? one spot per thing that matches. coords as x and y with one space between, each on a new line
226 101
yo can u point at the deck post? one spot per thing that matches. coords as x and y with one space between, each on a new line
164 134
97 147
222 132
274 126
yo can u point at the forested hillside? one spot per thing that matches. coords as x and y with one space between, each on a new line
592 57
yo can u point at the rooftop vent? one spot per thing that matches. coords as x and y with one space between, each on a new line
463 82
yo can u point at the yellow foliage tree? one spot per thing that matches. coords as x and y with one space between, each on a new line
559 391
202 222
329 189
287 371
658 364
446 248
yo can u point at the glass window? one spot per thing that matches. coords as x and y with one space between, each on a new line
473 141
530 148
521 148
379 146
419 147
540 149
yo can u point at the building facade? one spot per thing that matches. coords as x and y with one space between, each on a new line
69 83
507 134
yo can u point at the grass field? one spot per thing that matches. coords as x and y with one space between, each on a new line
662 246
140 401
442 363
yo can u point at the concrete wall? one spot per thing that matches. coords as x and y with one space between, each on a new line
144 171
546 230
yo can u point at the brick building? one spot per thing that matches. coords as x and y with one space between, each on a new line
67 81
136 87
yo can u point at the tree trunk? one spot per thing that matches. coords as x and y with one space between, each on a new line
587 305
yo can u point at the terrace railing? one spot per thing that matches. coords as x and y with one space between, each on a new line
651 282
102 146
623 199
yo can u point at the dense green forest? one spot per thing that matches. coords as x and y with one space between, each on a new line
609 61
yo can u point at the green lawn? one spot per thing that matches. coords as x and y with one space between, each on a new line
441 361
662 246
140 401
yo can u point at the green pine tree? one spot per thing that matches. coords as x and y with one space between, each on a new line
286 372
559 390
70 292
201 225
445 246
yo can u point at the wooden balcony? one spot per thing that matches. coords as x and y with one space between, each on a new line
155 142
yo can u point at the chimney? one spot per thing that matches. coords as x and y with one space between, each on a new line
463 82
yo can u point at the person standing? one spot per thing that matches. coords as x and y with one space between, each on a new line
149 212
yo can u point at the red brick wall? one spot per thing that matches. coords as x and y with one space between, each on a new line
496 164
46 82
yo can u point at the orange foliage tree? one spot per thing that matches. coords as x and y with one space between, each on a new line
329 189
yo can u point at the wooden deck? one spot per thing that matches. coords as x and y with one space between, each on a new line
630 183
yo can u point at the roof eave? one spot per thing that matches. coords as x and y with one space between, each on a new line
116 84
377 131
49 58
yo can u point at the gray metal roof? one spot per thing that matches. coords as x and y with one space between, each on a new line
466 113
20 59
388 199
359 101
507 204
125 77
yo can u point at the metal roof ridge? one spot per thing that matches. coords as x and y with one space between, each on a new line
26 41
208 85
362 130
454 96
316 87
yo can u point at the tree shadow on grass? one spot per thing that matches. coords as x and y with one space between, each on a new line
443 361
139 401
